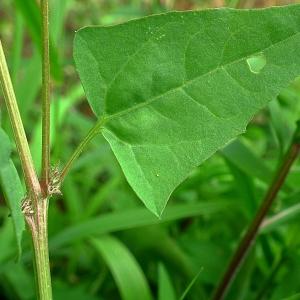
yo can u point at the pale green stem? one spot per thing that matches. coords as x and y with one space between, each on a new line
31 179
39 232
37 221
38 224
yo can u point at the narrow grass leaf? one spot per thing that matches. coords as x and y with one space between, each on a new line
165 287
126 271
134 218
294 297
283 127
12 188
247 161
183 296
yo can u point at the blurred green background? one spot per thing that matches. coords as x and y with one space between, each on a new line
103 243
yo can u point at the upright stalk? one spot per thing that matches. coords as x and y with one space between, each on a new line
31 179
40 228
252 231
39 231
45 97
35 206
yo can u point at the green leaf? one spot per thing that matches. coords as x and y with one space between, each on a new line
282 124
144 240
183 296
133 218
165 289
5 149
77 291
245 187
171 89
241 156
126 271
245 159
294 297
19 279
32 69
12 188
7 240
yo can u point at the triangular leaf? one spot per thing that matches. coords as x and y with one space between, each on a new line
171 89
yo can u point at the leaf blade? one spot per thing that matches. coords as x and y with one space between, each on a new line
165 288
134 218
126 271
12 189
168 99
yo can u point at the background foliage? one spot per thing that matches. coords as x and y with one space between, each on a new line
104 244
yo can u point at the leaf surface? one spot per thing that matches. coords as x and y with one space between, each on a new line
126 271
12 188
165 288
170 90
135 218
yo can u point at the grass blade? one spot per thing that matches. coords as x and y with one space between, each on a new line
190 286
126 271
12 188
165 286
134 218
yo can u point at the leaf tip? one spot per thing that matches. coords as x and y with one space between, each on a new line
156 210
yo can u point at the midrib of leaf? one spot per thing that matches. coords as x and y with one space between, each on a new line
106 118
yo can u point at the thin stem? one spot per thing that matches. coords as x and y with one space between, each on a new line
31 179
252 231
45 97
91 134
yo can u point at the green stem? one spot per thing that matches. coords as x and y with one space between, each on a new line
37 221
39 231
45 97
39 228
31 179
253 229
91 134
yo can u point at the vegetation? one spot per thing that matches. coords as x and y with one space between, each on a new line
170 95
